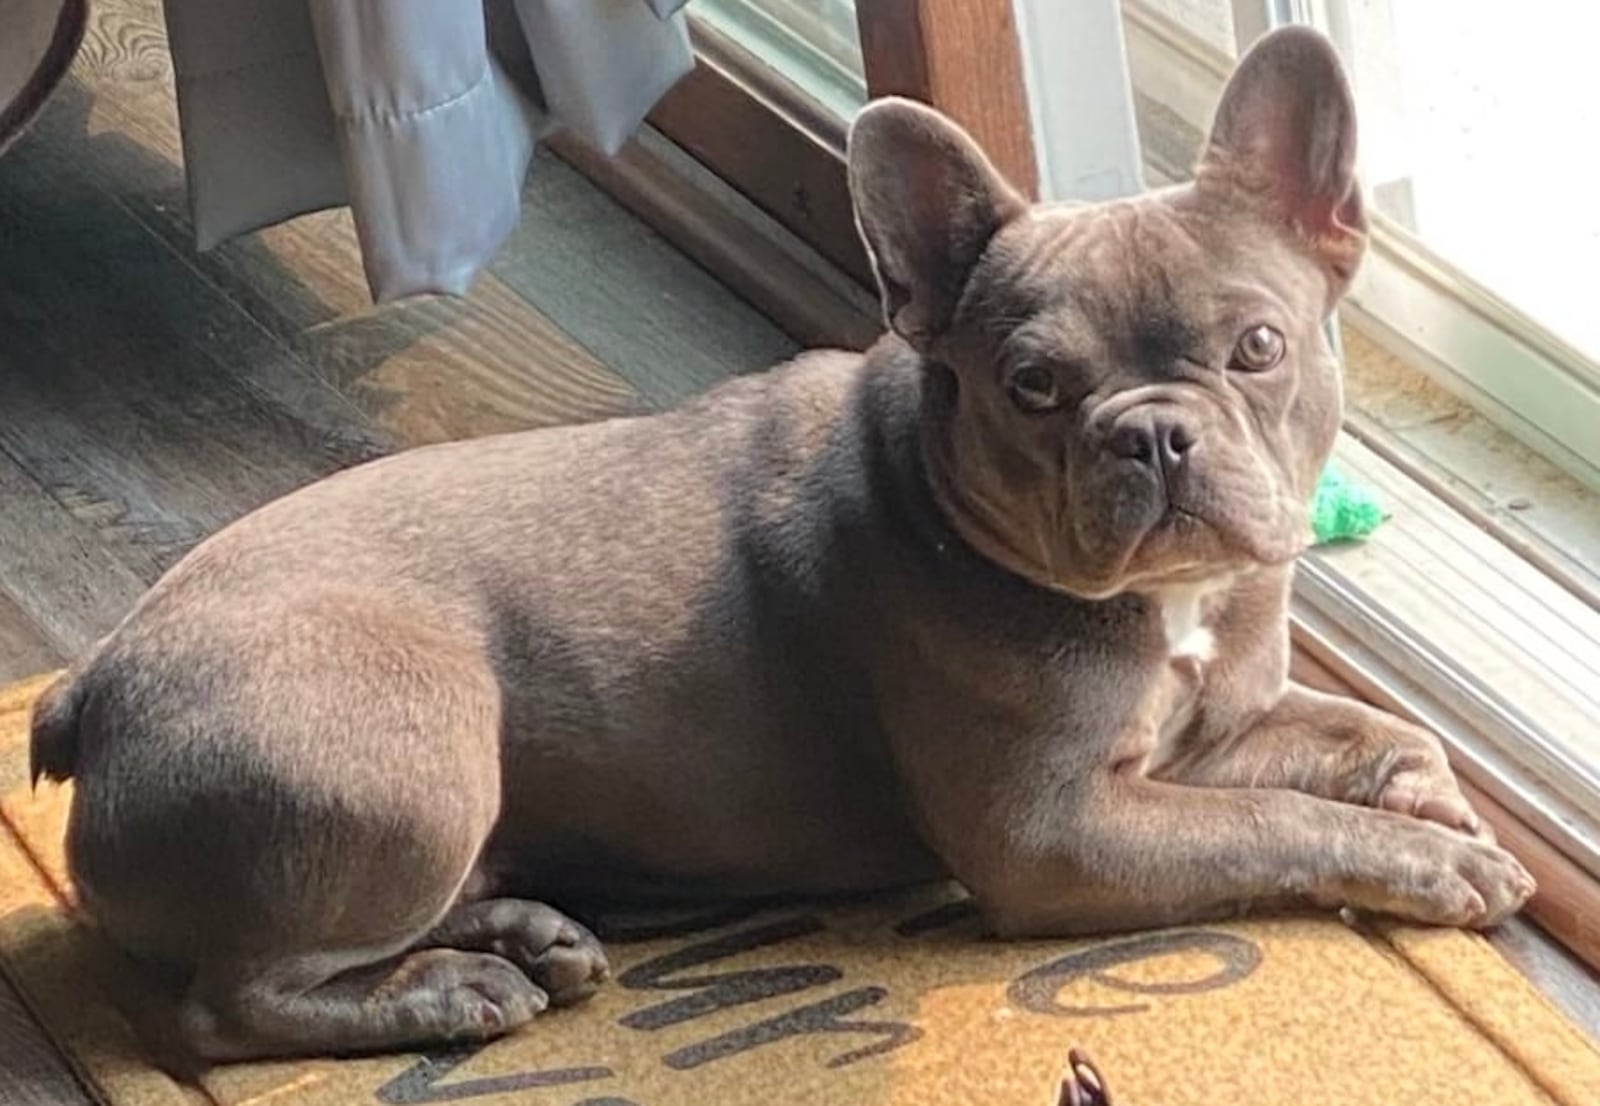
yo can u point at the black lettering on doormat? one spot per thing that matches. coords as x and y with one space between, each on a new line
939 917
656 925
1037 990
711 993
420 1082
820 1017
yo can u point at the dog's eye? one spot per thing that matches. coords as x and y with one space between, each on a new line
1259 348
1033 388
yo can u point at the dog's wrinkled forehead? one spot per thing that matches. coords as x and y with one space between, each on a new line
1129 277
1140 283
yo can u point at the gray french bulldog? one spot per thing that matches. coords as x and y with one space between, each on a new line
1002 599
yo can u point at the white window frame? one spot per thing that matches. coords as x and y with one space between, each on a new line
1073 55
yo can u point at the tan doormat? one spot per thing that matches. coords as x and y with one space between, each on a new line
898 1002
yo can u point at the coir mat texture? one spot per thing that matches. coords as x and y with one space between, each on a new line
896 1002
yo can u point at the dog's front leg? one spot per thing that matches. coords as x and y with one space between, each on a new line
1135 852
1333 747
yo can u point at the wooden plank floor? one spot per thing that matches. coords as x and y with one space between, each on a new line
149 394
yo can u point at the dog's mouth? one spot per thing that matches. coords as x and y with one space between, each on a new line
1225 542
1188 546
1178 541
1179 548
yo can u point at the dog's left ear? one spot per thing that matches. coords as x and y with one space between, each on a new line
1284 141
928 202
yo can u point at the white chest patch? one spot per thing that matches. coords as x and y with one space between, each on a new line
1183 620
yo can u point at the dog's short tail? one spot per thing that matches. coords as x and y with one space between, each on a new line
53 746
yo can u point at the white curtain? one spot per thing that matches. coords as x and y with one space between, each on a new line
420 114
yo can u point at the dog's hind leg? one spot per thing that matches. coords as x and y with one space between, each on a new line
291 830
307 1004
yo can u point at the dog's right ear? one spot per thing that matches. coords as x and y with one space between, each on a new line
927 203
1284 144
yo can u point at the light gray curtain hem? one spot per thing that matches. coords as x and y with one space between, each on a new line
422 115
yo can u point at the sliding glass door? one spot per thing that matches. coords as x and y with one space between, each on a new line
813 43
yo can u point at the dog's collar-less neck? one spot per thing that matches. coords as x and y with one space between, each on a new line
901 403
894 408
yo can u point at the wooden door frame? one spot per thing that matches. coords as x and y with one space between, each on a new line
965 58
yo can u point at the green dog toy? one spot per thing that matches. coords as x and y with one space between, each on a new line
1344 511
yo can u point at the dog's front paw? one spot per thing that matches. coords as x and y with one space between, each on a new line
1445 878
1434 797
1419 783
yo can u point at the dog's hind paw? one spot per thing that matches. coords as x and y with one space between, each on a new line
557 953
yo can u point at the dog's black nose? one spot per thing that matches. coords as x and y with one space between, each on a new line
1152 439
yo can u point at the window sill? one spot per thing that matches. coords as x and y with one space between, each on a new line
1546 515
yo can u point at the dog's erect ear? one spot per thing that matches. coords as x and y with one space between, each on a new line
1284 140
927 203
